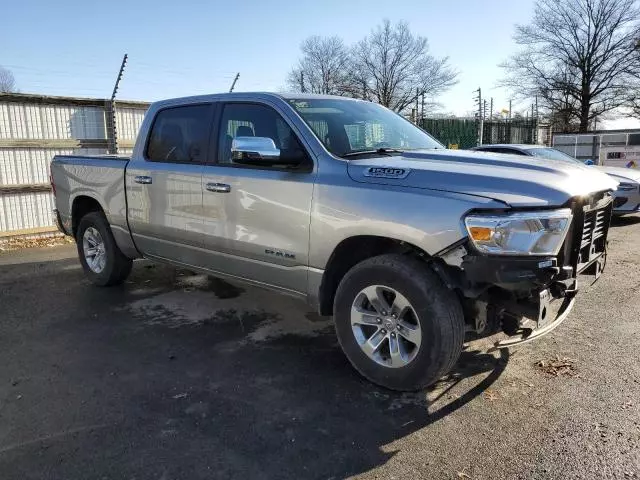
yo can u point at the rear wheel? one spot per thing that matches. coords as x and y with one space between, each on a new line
103 262
397 323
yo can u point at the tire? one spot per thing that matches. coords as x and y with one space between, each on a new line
116 266
434 311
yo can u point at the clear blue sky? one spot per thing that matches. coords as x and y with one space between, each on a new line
183 48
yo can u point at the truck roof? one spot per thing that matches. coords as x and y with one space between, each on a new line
514 145
247 95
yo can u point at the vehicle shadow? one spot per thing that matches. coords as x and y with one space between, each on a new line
197 399
625 220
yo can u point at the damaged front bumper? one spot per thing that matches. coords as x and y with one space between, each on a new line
529 297
547 285
528 334
544 309
541 320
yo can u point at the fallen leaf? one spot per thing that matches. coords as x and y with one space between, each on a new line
558 366
489 395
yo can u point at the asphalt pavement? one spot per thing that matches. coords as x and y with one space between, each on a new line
181 376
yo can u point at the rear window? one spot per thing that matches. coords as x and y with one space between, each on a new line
180 134
552 154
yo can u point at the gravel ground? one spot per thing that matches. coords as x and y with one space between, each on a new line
175 375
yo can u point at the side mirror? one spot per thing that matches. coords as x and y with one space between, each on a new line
255 151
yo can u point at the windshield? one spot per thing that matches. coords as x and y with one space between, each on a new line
552 154
347 127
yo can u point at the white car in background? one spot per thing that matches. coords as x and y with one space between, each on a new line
626 197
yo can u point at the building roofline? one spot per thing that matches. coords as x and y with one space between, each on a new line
599 132
33 98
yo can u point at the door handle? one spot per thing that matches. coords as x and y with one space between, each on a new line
143 180
218 187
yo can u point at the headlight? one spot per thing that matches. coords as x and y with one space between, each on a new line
519 233
627 187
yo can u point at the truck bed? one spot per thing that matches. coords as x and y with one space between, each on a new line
97 177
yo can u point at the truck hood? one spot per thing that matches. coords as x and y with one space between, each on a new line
512 179
621 174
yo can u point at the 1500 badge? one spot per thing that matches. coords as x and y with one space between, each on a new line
387 172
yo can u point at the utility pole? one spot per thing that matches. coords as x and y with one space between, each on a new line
112 140
302 82
532 111
509 109
478 100
491 110
422 116
234 82
417 98
534 126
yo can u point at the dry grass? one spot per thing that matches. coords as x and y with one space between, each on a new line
12 244
557 366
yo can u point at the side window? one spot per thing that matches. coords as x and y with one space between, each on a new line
253 120
180 135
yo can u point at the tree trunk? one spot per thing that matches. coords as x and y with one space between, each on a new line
585 108
584 119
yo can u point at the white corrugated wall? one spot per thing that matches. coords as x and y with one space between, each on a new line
22 164
22 211
128 121
27 166
51 122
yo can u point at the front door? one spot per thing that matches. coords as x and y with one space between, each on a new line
257 218
164 185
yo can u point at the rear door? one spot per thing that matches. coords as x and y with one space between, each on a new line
257 218
164 185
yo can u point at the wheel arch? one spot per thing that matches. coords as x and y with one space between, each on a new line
81 205
351 251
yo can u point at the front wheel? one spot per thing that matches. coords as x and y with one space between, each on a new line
397 323
103 262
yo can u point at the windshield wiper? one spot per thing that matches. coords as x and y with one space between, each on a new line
379 151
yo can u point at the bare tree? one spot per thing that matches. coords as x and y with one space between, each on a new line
7 81
393 66
323 68
633 103
577 57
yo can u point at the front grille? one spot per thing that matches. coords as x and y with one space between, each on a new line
590 241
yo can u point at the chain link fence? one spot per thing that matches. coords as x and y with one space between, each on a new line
464 133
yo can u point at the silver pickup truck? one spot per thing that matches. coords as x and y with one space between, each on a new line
346 204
